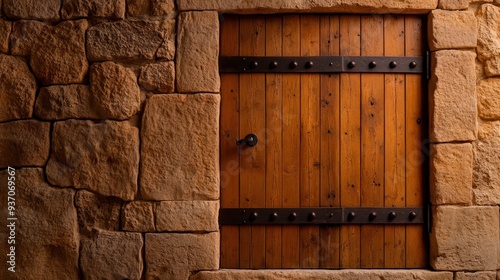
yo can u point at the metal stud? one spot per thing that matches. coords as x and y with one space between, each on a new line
392 215
254 216
309 64
372 64
351 64
412 216
273 64
254 64
413 64
393 64
292 216
312 216
351 216
293 64
273 216
372 216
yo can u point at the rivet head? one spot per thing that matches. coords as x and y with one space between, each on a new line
372 216
412 216
309 64
351 64
413 64
273 216
372 64
393 64
351 216
392 215
292 216
312 216
254 64
273 64
254 216
293 64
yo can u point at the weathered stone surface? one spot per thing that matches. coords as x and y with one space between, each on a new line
452 98
487 165
305 274
107 163
451 174
17 89
454 4
149 7
138 216
58 56
47 239
187 216
5 29
488 98
72 9
24 143
312 6
480 275
97 212
173 256
124 39
167 48
173 168
461 34
32 9
488 43
492 67
464 238
115 93
64 102
198 52
158 77
24 35
112 255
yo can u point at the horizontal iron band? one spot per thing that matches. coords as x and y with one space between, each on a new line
321 64
322 215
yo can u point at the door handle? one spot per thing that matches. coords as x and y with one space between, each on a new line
249 140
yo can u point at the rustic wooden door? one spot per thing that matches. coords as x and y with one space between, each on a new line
344 139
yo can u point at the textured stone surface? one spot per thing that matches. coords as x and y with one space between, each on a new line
173 256
107 163
5 29
312 6
47 241
488 43
149 7
487 165
115 93
451 174
93 8
58 56
492 67
187 216
167 48
443 35
32 9
304 274
17 89
64 102
198 52
138 216
488 98
158 77
452 98
97 212
24 35
481 275
124 39
453 4
180 147
464 238
112 255
24 143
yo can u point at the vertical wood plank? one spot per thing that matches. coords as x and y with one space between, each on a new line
291 141
229 131
350 126
394 44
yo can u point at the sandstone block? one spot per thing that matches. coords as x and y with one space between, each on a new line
124 39
173 168
461 34
487 165
72 9
115 93
464 238
64 102
112 255
488 98
158 77
24 35
198 52
167 48
488 41
174 256
107 163
24 143
5 29
492 67
138 216
452 99
454 4
58 56
480 275
97 212
187 216
149 7
47 239
17 89
32 9
451 174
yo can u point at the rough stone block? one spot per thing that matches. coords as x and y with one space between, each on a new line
97 212
24 143
488 98
24 35
487 165
124 39
72 9
64 102
452 98
149 7
167 48
112 255
174 256
480 275
107 162
5 29
58 56
32 9
452 29
47 240
454 4
492 67
198 52
138 216
17 89
158 77
451 174
180 147
187 216
488 40
464 238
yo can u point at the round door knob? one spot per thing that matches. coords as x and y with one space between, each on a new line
249 140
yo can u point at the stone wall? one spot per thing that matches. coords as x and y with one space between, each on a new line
109 112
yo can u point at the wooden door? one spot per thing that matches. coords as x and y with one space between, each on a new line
324 140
